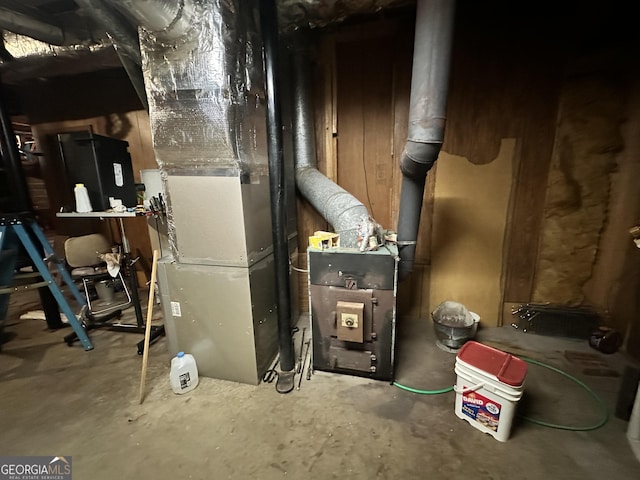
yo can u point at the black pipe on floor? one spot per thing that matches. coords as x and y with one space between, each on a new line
277 188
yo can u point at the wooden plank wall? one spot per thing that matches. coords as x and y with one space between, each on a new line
363 79
505 82
365 123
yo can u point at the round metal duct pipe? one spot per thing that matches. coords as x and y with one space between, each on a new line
30 27
167 19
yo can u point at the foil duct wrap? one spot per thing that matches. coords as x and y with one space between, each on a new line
207 103
296 14
22 46
34 59
206 94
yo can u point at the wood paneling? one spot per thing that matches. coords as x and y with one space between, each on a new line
363 80
413 294
300 276
365 123
326 111
505 81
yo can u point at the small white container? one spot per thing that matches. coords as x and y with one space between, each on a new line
184 373
490 383
83 204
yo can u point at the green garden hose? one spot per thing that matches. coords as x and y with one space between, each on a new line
423 392
599 401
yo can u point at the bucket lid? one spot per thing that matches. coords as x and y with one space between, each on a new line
505 367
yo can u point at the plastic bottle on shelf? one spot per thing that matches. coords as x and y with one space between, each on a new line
83 204
184 373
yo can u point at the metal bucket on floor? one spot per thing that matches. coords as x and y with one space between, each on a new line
105 290
454 325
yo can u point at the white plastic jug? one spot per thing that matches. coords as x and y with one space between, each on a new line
83 204
184 373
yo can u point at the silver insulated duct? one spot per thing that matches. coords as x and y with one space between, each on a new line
168 20
208 119
207 112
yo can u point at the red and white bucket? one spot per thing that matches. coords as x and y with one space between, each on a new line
490 383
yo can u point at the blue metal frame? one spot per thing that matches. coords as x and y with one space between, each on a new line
64 273
18 226
7 264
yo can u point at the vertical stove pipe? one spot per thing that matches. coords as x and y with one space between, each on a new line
427 115
269 28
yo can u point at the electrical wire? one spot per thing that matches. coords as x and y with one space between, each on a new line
301 270
542 423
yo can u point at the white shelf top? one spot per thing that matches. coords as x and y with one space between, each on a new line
95 214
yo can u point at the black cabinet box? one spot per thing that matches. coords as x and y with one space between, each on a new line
102 163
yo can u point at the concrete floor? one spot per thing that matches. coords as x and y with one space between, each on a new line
57 400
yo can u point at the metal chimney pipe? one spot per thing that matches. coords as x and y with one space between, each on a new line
277 187
427 115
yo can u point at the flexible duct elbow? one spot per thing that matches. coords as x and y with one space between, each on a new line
346 214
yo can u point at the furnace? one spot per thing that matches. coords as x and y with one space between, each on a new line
353 310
